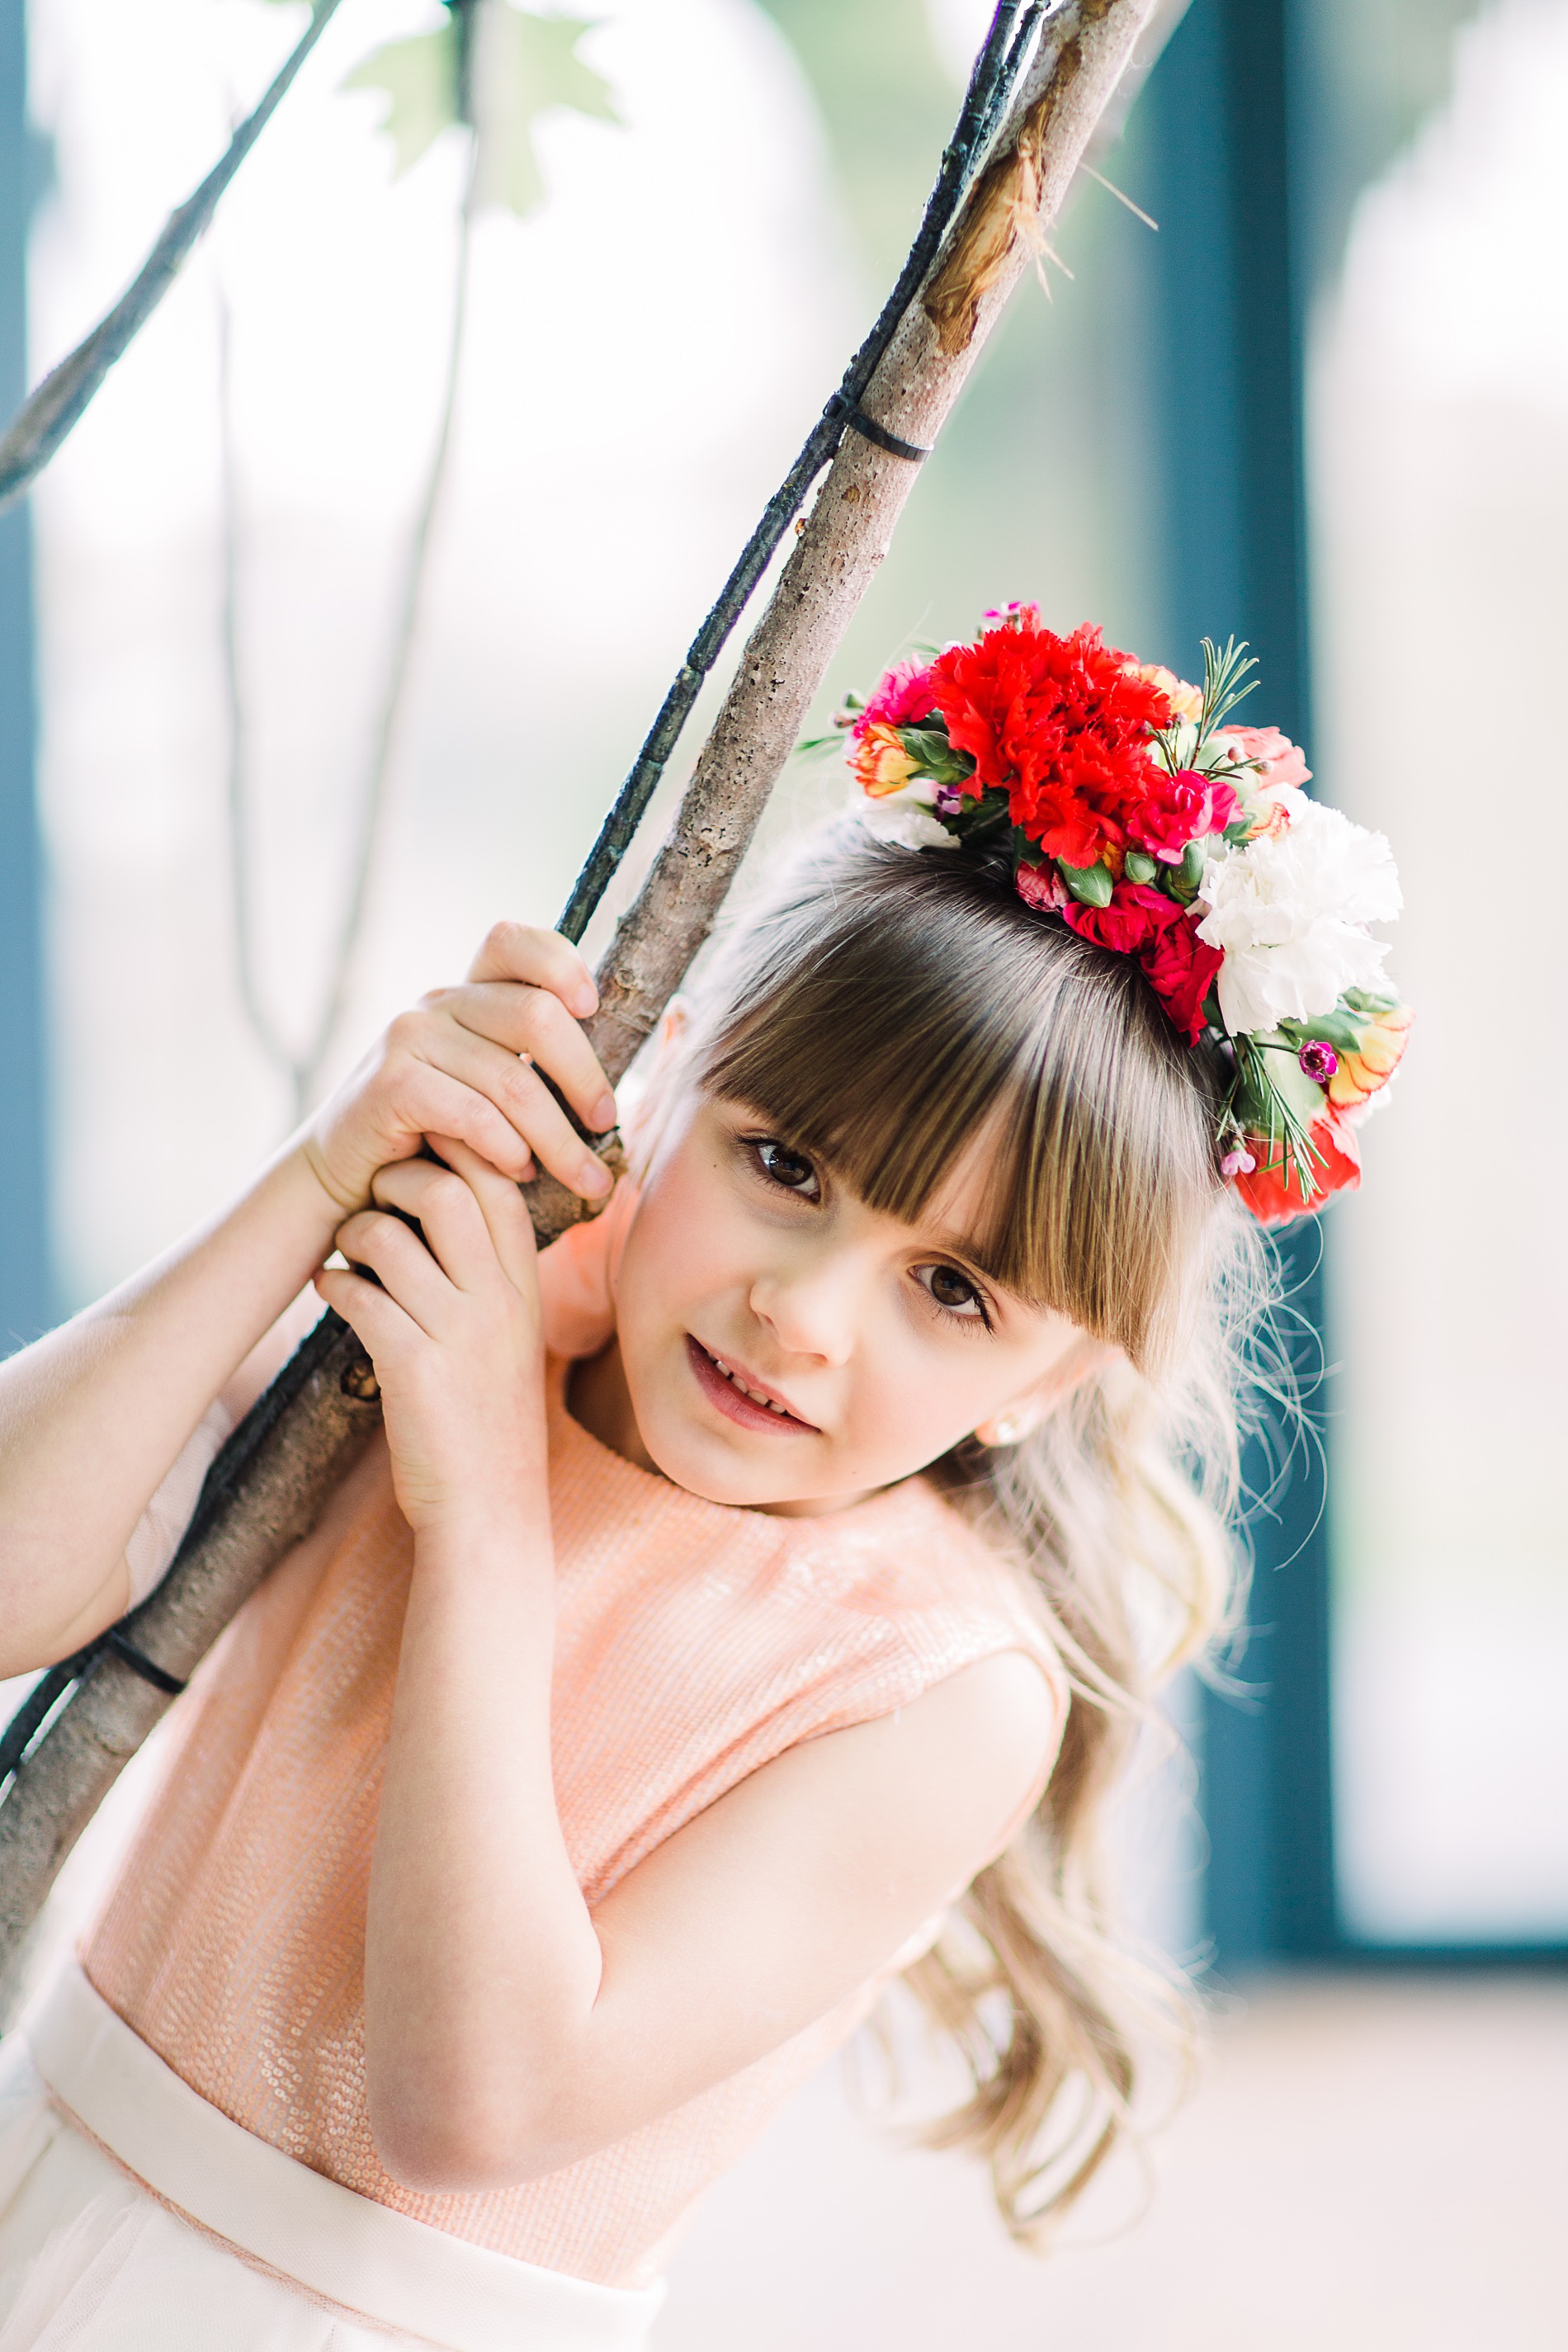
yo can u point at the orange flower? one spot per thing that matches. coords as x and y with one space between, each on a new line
1185 701
881 762
1361 1074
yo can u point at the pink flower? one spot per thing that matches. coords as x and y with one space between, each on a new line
1041 886
1280 761
902 699
1181 808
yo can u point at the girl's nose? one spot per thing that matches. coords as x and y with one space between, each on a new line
809 1308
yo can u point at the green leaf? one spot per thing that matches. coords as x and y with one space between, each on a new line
1343 1028
1140 868
420 76
1091 885
522 66
525 66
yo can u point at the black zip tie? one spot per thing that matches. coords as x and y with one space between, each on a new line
869 430
140 1664
56 1681
45 1696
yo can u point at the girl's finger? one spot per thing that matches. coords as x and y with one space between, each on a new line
374 1316
544 959
503 1208
405 1269
457 1231
524 1101
532 1020
432 1102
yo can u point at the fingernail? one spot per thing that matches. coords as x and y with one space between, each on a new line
596 1178
603 1113
585 1002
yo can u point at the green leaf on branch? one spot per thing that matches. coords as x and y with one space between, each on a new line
522 66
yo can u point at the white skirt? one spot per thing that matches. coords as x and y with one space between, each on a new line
134 2217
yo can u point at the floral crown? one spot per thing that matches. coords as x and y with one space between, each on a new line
1137 814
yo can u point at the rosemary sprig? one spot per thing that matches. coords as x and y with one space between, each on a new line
1258 1107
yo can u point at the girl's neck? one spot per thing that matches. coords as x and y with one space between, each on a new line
599 1400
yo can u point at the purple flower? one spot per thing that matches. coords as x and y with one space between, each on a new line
1319 1060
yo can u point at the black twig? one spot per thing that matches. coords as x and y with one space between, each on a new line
995 74
48 413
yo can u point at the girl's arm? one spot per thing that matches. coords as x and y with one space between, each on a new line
93 1417
509 2031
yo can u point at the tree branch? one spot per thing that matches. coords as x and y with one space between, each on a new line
47 413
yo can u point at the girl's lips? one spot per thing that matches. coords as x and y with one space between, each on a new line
733 1402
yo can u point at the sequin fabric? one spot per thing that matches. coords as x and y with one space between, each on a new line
695 1642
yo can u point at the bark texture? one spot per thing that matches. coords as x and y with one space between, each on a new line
267 1486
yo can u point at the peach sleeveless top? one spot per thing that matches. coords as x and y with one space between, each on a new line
695 1642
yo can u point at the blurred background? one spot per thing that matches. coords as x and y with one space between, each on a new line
1322 406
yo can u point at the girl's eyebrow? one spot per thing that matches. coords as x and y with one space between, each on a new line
947 1243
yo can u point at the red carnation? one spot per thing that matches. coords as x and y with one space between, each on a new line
1180 970
1060 724
1273 1193
1135 917
1184 807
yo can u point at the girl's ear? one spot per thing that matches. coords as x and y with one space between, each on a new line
1080 1361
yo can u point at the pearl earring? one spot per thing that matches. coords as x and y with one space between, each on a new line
1008 1432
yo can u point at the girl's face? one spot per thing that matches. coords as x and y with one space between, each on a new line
781 1345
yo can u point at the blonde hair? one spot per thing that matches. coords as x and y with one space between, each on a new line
881 1007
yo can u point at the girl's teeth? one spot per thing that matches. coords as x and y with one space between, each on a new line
736 1381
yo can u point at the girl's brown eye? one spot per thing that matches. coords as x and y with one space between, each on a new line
791 1169
952 1290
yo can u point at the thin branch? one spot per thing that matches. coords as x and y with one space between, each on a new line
47 413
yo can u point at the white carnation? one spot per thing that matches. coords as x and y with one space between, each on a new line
905 817
1290 911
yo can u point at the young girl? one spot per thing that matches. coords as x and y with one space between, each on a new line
752 1599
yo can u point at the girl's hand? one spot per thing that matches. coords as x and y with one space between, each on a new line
451 1067
455 1333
